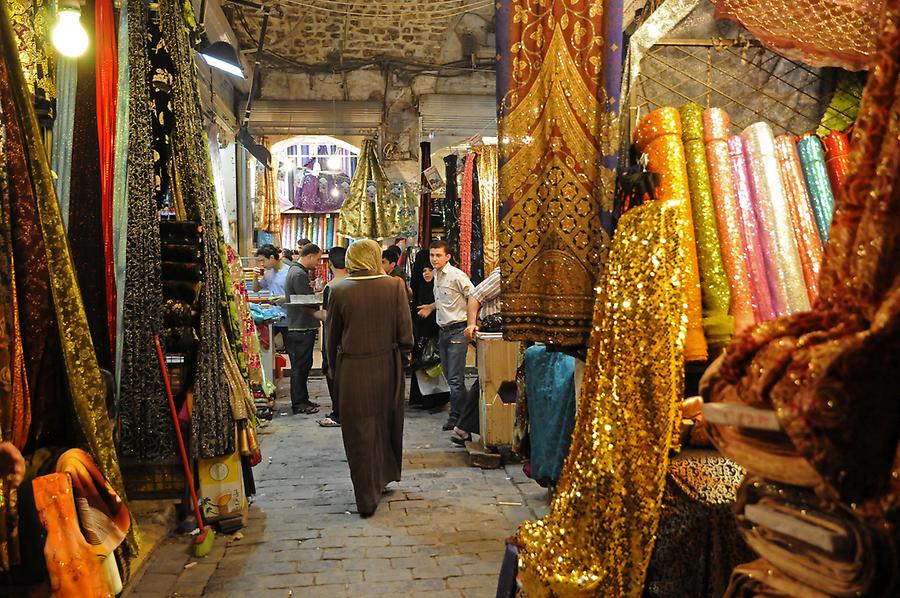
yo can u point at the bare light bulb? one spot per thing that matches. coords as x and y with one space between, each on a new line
335 192
69 36
333 163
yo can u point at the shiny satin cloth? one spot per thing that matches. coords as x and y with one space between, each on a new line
61 150
821 192
718 325
65 323
764 308
805 233
268 211
760 579
465 216
732 237
598 537
783 268
822 33
837 158
829 373
558 84
368 210
659 136
489 193
862 562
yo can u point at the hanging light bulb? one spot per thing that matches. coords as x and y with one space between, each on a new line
333 162
69 36
334 191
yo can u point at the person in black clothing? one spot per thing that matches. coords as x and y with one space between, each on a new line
303 328
337 260
425 331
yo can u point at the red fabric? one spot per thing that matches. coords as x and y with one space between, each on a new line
107 74
465 217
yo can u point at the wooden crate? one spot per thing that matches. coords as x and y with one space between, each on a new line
497 363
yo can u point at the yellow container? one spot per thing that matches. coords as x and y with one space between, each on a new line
497 363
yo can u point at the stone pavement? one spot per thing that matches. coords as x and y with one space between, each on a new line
440 532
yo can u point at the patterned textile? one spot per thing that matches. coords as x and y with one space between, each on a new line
268 212
32 21
818 32
451 206
31 181
558 87
249 339
144 418
476 249
368 210
212 425
465 216
489 193
598 537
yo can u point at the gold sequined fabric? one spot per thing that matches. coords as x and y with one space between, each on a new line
659 136
715 293
598 537
489 188
268 212
32 21
85 385
839 33
558 121
369 210
212 424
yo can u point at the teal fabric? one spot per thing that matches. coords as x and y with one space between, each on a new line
61 154
550 392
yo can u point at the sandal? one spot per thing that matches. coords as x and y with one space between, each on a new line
460 440
327 422
307 410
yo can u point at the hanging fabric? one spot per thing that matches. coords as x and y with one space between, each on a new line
120 186
451 206
368 210
425 200
61 151
476 253
465 216
145 422
598 536
212 425
558 87
489 193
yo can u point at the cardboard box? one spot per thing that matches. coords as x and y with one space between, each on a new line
497 363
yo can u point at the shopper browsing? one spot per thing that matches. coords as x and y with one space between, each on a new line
451 293
303 328
337 261
389 259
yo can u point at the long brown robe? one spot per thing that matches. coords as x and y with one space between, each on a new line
370 335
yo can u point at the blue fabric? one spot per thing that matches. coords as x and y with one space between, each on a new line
550 392
61 152
262 314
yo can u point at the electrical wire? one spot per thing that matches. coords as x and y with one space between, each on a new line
423 14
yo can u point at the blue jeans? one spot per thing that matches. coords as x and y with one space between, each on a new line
453 347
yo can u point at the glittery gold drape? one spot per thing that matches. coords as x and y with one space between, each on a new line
32 21
659 136
558 86
369 210
598 538
268 211
489 187
85 385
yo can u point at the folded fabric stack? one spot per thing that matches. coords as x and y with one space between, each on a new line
808 403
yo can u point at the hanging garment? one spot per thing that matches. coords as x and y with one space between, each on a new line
144 419
659 136
368 211
732 236
822 33
598 537
30 179
249 338
86 223
718 325
829 374
465 216
451 206
425 200
550 388
212 424
558 87
120 184
489 193
476 250
32 21
61 150
268 212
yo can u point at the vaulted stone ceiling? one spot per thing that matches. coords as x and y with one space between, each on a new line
303 33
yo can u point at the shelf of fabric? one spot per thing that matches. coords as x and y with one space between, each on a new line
320 228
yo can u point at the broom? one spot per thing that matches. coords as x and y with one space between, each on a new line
203 542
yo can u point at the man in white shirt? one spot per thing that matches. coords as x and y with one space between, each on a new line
451 295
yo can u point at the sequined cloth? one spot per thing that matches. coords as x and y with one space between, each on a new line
212 424
718 325
821 193
732 237
489 193
558 87
837 154
465 217
806 234
779 246
146 425
598 537
268 212
368 210
659 136
838 33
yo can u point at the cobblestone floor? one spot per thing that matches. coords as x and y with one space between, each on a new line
440 532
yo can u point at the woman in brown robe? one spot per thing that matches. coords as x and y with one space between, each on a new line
370 340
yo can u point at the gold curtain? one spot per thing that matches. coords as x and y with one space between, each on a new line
268 212
489 192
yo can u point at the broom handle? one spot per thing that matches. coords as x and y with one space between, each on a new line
184 459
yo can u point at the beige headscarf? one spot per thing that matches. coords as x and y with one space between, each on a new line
364 258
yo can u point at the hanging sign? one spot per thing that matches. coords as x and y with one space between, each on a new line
435 181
